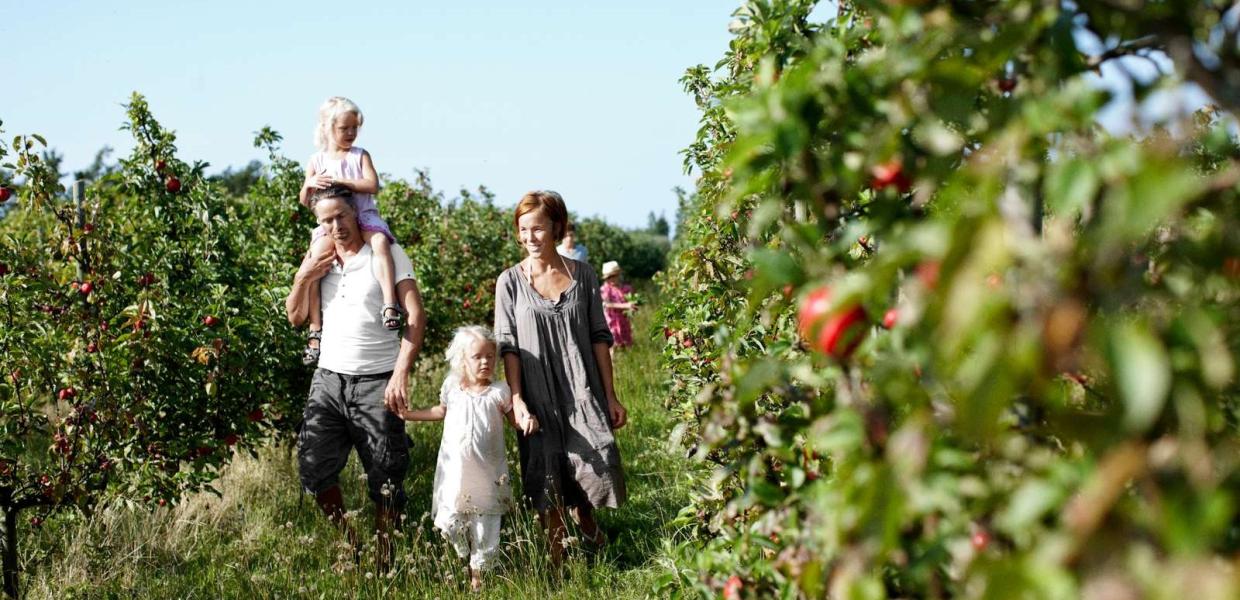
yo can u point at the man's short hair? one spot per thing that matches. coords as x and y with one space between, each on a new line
334 191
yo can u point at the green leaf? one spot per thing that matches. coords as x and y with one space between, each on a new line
1143 373
1069 186
766 493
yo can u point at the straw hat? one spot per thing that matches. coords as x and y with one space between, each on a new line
610 268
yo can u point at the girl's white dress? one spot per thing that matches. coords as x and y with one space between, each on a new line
472 488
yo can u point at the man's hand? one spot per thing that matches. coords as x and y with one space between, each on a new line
396 396
314 268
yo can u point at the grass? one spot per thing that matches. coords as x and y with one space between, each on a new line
260 538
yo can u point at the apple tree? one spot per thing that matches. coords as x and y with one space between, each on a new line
938 333
141 341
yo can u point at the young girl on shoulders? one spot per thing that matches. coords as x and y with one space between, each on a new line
339 162
472 490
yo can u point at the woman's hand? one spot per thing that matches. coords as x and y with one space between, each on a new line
619 416
527 423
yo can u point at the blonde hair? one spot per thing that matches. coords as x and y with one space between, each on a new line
461 341
328 112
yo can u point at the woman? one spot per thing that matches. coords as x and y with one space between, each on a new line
555 346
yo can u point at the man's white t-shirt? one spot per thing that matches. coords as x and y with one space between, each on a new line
355 342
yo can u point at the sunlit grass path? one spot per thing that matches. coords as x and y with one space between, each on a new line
260 539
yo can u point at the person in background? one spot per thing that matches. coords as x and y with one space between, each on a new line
616 306
569 246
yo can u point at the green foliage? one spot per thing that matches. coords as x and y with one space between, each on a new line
458 249
1054 409
140 341
641 254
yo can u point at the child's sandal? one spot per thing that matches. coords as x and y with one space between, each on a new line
392 322
311 354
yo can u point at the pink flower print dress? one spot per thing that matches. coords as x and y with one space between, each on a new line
617 320
350 167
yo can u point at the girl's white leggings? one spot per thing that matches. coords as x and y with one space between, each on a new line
476 537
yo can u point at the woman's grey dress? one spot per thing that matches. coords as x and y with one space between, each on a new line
573 459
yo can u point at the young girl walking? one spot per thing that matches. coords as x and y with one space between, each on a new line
615 306
471 489
339 162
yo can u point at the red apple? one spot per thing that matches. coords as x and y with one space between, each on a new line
36 522
1231 266
67 394
928 273
86 288
732 589
92 347
231 439
834 333
1007 84
890 174
5 194
4 269
88 228
466 304
980 540
255 415
173 185
210 321
687 343
160 166
891 317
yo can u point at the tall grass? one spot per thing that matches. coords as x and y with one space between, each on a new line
260 538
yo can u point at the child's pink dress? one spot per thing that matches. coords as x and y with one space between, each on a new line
350 167
617 320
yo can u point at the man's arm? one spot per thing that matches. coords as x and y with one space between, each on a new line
297 305
396 397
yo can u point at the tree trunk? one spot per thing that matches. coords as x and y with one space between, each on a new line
10 551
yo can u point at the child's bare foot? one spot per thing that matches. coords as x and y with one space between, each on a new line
475 580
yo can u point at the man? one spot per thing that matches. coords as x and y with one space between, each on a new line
360 385
569 247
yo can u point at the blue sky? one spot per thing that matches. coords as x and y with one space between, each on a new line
580 97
